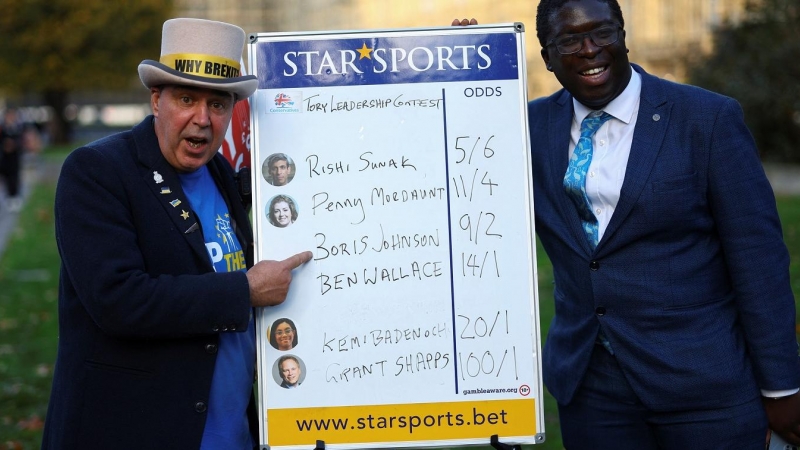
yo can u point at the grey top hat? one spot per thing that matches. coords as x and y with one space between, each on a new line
202 53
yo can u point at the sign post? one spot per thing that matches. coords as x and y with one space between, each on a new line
401 159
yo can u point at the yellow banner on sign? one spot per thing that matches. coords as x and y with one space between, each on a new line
402 423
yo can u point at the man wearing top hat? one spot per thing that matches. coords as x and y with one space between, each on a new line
158 282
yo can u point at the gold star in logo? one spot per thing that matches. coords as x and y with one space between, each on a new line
184 214
364 51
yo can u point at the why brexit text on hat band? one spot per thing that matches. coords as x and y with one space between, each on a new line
202 65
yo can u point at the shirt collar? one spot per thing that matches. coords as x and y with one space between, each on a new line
622 108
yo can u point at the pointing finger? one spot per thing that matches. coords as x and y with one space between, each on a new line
298 260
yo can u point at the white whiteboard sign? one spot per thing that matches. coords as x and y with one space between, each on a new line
401 159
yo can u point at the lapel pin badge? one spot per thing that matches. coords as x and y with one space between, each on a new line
157 177
184 214
175 203
165 191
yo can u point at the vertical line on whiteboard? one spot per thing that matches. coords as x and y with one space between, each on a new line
450 240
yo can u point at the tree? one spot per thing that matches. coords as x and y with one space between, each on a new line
756 62
54 47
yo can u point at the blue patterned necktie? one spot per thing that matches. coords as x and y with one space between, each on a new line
575 178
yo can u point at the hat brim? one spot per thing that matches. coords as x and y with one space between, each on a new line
153 73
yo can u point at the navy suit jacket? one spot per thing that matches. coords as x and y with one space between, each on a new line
140 307
690 281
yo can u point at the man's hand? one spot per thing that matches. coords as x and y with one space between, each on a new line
269 280
784 417
464 22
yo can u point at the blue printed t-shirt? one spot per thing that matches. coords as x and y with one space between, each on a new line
226 424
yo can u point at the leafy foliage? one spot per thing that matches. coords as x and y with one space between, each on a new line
756 62
54 47
77 44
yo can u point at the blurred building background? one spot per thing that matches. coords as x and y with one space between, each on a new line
660 32
660 35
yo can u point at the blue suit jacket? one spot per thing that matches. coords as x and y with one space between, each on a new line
690 281
140 307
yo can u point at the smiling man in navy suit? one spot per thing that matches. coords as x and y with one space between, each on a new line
675 320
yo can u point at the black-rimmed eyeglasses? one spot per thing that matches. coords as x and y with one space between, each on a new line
568 44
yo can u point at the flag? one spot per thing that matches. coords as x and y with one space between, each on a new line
236 146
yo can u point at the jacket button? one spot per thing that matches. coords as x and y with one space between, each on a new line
211 348
600 311
215 328
200 407
594 265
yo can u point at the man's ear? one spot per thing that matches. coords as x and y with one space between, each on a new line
546 58
622 38
155 96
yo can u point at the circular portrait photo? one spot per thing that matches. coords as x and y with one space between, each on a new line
283 334
281 211
278 169
289 371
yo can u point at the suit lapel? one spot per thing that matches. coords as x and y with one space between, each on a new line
163 182
651 127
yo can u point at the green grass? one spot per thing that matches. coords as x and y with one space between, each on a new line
789 209
28 315
28 322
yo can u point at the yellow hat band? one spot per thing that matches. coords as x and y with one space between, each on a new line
202 65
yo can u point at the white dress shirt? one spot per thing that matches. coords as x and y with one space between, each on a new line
612 147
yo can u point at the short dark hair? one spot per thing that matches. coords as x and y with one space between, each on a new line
275 158
285 358
548 8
